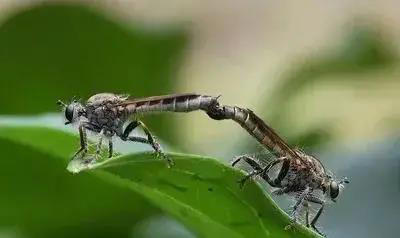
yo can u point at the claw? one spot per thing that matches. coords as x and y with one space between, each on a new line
288 227
291 225
277 192
89 160
319 232
241 183
163 156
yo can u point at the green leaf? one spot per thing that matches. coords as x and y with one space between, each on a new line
41 199
200 192
53 52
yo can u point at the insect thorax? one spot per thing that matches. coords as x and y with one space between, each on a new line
102 113
304 172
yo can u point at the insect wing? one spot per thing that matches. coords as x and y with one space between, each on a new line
280 146
156 99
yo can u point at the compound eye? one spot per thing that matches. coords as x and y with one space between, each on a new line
69 112
334 190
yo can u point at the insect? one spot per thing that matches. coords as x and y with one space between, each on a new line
107 114
300 175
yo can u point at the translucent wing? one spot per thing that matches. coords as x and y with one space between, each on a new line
275 143
154 99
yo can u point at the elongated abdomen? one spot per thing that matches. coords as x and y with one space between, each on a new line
169 103
256 127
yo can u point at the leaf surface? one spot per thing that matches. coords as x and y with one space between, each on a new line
200 192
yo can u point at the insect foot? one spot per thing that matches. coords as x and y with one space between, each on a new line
160 154
318 231
163 156
241 183
90 159
292 224
81 163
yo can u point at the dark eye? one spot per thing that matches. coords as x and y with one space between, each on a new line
69 112
334 190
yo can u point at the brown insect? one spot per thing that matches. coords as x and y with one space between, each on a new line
107 114
300 175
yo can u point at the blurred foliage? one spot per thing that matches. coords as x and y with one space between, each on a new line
198 191
363 49
59 51
41 199
312 138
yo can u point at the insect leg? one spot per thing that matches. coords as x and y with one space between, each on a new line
129 129
250 160
280 191
156 146
110 148
125 136
276 182
83 141
150 139
253 163
282 172
98 146
300 200
307 206
243 181
316 200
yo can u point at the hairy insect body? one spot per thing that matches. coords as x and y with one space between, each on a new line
107 113
299 174
102 114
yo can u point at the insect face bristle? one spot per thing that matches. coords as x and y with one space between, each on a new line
61 103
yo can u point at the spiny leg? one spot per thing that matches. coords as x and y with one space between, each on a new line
156 146
110 148
83 141
150 139
264 171
319 201
254 164
282 173
300 199
250 160
99 143
131 126
307 206
138 139
243 181
125 135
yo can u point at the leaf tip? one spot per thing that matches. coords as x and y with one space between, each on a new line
77 165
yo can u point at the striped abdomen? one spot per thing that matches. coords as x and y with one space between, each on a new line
169 103
256 127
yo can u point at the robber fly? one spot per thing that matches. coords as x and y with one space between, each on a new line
300 175
107 114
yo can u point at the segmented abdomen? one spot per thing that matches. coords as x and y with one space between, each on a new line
170 103
258 129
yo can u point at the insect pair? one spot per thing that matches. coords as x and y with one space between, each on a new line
300 175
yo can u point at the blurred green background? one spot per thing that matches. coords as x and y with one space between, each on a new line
325 75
